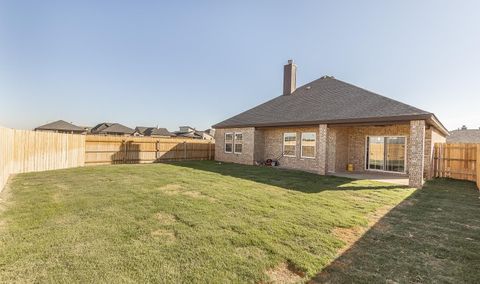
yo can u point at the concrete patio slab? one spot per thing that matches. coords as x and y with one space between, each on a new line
394 178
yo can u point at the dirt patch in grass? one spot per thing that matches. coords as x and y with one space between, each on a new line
196 194
348 235
176 189
285 273
165 218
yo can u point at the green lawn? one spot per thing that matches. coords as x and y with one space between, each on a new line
209 222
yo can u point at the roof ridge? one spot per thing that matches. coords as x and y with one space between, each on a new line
325 100
365 90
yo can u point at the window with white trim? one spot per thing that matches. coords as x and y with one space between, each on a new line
290 144
309 140
228 142
238 144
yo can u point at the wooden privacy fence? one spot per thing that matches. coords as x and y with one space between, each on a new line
130 150
23 151
457 161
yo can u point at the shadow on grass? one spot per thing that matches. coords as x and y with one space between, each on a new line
432 236
287 179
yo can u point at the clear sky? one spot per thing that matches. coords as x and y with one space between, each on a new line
198 62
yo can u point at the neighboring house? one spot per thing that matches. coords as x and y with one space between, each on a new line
328 124
190 132
112 129
185 129
208 134
152 131
464 136
61 126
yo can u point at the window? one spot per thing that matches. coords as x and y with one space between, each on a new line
290 144
308 144
228 142
238 143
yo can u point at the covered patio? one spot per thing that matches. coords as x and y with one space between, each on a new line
394 178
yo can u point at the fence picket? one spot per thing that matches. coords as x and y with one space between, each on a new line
24 151
457 161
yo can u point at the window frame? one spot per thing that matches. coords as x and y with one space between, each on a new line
235 143
314 146
295 145
225 142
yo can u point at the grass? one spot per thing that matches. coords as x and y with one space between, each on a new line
209 222
432 237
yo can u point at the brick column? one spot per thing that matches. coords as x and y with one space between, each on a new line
331 150
322 149
416 153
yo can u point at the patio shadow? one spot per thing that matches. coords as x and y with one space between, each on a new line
288 179
433 236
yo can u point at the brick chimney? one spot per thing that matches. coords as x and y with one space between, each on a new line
289 78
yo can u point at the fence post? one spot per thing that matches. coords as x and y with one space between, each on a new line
157 150
124 151
209 150
477 166
184 150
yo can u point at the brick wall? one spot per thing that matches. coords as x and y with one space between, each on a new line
357 141
341 153
247 155
273 148
335 148
259 151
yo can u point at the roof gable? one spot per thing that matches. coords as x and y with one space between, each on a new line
99 127
160 132
152 131
60 125
142 129
117 128
325 100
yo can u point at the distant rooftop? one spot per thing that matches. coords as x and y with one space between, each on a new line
61 125
464 136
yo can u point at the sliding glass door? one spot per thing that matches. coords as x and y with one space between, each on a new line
386 153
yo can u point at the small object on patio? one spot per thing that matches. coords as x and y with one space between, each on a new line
350 167
270 162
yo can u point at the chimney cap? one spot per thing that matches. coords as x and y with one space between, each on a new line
290 61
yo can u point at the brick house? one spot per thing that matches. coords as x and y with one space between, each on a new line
328 124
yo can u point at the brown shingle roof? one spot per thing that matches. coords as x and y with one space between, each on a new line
118 128
60 125
464 136
153 131
325 100
159 132
107 127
